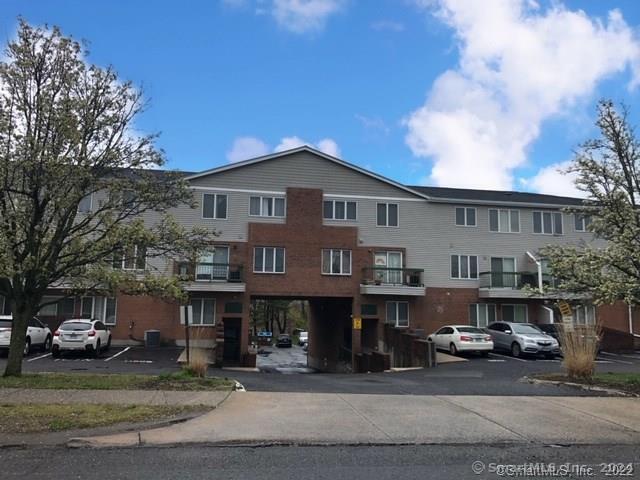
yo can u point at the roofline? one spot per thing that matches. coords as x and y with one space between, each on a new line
502 203
307 148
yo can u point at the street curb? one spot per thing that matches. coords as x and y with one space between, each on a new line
133 438
582 386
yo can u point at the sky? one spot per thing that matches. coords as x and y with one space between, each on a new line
493 94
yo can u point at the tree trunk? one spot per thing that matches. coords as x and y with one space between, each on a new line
21 312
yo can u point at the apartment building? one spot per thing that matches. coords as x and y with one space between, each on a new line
371 256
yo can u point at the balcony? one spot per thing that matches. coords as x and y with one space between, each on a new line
212 277
392 281
513 284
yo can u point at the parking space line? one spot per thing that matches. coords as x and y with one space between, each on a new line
38 358
496 360
511 358
117 354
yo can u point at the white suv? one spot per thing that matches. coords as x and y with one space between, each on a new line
37 334
76 334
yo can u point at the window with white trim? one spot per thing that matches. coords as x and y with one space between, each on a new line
581 222
465 217
339 210
268 260
398 313
99 308
204 311
387 214
133 257
504 221
336 262
214 205
514 313
585 315
482 314
464 267
84 206
266 206
547 223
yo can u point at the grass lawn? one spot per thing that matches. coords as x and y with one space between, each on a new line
627 382
53 418
173 381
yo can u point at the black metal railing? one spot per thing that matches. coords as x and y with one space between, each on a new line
410 277
515 280
211 272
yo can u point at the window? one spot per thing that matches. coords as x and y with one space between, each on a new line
465 217
99 308
50 310
266 206
514 313
482 314
387 214
582 222
133 257
464 266
585 315
398 313
204 311
214 206
547 223
213 265
268 260
339 210
84 206
504 221
336 262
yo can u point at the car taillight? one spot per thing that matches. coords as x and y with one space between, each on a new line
92 333
488 338
56 333
464 338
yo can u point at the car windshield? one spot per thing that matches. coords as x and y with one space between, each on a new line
526 329
75 326
469 330
5 323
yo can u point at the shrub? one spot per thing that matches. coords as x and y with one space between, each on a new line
198 356
579 348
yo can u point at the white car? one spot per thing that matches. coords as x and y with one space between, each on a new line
303 338
91 336
38 334
462 338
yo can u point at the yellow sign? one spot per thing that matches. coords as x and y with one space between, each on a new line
565 308
357 323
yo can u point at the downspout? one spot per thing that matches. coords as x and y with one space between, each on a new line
539 264
631 322
551 316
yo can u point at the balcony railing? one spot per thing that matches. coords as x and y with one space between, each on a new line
409 277
211 272
515 280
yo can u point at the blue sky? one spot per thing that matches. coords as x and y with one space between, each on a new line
491 94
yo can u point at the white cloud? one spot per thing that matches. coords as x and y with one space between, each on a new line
326 145
519 65
373 124
244 148
554 180
387 25
329 146
302 16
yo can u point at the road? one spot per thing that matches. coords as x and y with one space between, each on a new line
292 462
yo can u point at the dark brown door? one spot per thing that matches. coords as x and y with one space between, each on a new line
231 352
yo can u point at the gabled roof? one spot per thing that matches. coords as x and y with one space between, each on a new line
308 149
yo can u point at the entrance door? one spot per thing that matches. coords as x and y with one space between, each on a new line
231 352
503 272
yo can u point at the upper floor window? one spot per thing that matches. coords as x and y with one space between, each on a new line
387 214
547 223
133 257
465 217
582 222
266 206
268 260
398 313
464 266
84 206
336 262
339 210
214 205
504 221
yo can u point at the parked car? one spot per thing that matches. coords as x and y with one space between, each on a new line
303 338
553 329
284 341
38 334
462 338
91 336
523 338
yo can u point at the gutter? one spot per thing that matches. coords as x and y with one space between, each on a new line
539 264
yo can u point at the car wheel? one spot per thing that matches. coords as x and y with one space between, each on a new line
47 344
96 350
27 346
515 349
452 349
55 351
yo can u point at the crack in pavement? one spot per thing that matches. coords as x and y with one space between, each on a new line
602 419
364 417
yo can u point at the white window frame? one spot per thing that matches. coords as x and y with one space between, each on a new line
90 204
466 217
135 261
386 224
553 222
515 305
510 212
459 277
202 301
582 317
275 249
48 298
477 307
333 210
215 206
580 219
103 316
273 200
397 309
330 253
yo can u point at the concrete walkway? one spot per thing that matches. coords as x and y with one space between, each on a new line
262 418
12 396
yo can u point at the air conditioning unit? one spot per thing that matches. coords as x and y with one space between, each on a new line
152 338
